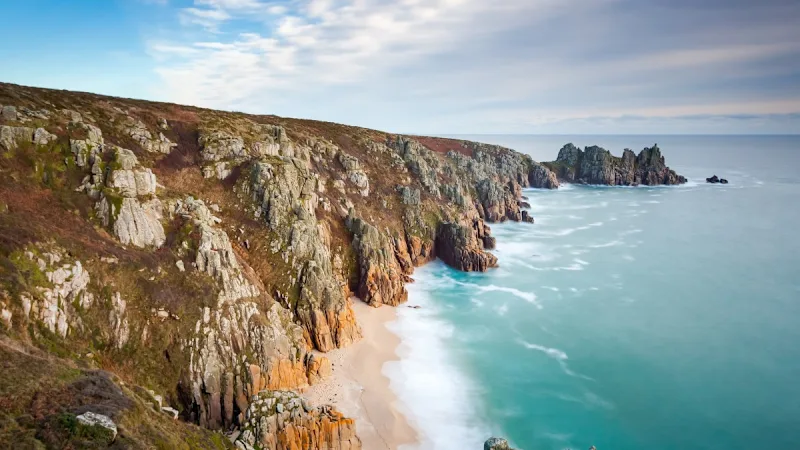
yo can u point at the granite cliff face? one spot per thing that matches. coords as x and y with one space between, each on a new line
596 165
203 259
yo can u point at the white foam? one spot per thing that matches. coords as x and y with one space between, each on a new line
438 399
581 262
529 297
551 352
606 244
502 309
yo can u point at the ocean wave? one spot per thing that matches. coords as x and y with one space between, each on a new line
529 297
438 399
551 352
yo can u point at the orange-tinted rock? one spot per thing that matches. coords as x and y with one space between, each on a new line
281 420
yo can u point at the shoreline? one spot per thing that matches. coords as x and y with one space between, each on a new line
358 387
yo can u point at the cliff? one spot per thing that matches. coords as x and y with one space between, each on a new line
596 165
186 262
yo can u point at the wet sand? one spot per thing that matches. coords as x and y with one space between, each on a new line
358 387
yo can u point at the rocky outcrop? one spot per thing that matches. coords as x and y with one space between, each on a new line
138 131
495 443
127 203
419 160
540 176
498 203
241 348
458 246
355 173
381 279
596 165
214 255
286 197
278 420
10 137
54 303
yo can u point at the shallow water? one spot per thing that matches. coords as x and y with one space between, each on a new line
626 318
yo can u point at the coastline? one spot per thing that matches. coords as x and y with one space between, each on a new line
358 387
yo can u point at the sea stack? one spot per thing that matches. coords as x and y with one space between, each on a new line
596 165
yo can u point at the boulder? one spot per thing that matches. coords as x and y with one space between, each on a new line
8 113
712 179
495 443
93 419
723 181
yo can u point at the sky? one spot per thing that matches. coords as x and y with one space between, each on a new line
430 66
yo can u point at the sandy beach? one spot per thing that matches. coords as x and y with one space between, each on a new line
358 387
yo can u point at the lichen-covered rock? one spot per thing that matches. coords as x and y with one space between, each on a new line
499 202
279 420
133 222
138 131
355 173
240 349
10 137
285 195
381 279
128 204
8 112
53 304
596 165
218 145
420 161
129 181
215 256
409 196
100 420
458 246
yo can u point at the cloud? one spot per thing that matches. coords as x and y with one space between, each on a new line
424 63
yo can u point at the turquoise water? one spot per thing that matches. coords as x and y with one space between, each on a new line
626 318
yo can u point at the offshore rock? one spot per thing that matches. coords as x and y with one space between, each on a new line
495 443
596 165
381 279
458 246
277 420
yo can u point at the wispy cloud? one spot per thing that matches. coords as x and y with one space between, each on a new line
424 62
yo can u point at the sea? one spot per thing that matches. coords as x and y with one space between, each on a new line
626 318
